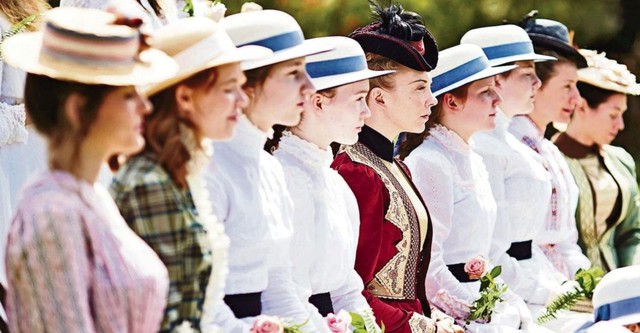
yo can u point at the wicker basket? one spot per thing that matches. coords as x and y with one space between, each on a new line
583 305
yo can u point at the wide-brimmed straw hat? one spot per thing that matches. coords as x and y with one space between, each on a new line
87 46
272 29
616 299
504 44
460 65
196 44
607 74
343 65
399 35
552 35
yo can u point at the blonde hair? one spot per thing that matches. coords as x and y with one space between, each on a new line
18 10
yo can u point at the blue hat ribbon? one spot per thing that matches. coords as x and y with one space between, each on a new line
331 67
508 50
280 42
618 309
459 73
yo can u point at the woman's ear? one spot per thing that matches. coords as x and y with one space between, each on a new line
451 102
377 97
315 100
185 100
72 108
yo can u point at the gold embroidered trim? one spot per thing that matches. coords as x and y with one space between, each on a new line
397 279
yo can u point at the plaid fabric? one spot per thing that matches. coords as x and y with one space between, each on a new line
166 218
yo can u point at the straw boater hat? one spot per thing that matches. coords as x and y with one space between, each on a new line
343 65
607 74
616 299
196 44
503 44
87 46
460 65
272 29
401 36
552 35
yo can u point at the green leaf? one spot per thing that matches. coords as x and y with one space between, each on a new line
496 271
356 320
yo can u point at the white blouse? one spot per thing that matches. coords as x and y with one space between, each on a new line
522 190
249 195
454 184
326 225
559 236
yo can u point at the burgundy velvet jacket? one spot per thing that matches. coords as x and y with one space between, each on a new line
389 258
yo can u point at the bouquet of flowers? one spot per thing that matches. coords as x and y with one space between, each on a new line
490 291
587 280
272 324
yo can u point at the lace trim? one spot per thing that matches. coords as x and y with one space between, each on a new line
306 151
369 320
12 124
421 324
451 305
450 139
215 230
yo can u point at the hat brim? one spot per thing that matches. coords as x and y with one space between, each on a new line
597 81
23 51
478 76
307 48
244 53
521 57
560 47
342 79
398 50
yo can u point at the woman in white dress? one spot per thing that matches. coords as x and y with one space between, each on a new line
247 185
326 218
555 101
453 181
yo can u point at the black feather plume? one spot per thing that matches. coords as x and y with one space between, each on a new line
397 22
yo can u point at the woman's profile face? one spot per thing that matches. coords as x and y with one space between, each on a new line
346 111
281 97
119 122
409 102
216 107
481 105
559 95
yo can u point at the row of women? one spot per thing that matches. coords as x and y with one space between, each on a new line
205 228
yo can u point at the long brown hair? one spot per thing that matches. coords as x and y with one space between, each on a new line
413 140
162 128
18 10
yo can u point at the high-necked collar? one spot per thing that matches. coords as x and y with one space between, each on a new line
450 139
377 143
574 149
308 153
522 126
248 139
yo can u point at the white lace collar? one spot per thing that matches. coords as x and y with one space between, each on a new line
523 126
450 139
248 139
307 152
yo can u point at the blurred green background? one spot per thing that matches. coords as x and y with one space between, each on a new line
612 26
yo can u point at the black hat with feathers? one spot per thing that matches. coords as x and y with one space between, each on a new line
399 35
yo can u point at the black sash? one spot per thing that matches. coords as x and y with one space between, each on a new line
458 271
520 250
244 305
323 303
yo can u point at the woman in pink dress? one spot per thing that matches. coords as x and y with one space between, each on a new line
73 264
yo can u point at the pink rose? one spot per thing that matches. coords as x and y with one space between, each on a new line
339 323
475 268
266 324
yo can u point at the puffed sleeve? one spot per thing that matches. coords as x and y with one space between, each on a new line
627 233
48 271
435 182
373 198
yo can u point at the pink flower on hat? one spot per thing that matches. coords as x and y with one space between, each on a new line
476 268
339 323
267 324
